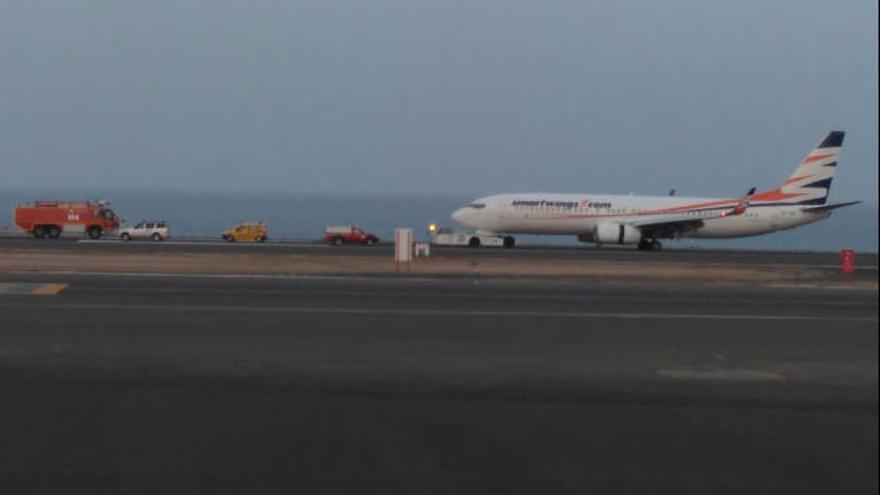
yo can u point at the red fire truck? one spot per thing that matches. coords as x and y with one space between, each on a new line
49 218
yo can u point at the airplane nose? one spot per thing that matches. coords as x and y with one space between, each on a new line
458 215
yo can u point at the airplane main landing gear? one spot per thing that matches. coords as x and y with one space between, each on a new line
650 245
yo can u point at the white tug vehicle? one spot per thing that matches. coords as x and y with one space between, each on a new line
445 236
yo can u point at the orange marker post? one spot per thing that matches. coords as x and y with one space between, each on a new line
847 262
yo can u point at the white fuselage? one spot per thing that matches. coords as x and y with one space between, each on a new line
579 214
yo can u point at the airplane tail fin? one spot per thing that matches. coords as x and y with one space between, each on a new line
811 180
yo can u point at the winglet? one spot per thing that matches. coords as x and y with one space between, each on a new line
740 207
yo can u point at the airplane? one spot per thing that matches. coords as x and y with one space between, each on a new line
644 220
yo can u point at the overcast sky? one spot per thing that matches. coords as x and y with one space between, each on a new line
435 97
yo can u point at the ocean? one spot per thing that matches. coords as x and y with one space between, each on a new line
304 216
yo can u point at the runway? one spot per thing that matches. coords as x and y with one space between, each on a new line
321 384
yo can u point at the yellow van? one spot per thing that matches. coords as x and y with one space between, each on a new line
247 232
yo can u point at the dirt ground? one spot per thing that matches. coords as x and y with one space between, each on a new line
318 264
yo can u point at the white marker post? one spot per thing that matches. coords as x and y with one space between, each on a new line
402 248
422 249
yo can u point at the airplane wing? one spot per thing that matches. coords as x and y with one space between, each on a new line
670 226
830 207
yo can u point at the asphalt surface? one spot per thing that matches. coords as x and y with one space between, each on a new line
865 262
160 384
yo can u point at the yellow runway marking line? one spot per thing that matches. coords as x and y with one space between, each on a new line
49 289
30 289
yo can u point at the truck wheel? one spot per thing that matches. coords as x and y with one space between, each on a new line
95 233
261 239
509 242
370 242
40 232
156 237
125 236
337 241
54 232
474 242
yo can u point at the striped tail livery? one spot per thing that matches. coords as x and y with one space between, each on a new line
809 183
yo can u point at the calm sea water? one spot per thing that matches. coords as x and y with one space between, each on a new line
299 216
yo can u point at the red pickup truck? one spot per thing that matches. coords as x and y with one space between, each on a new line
349 234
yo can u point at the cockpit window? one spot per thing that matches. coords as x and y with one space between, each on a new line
477 206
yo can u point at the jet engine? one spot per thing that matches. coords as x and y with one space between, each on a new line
617 233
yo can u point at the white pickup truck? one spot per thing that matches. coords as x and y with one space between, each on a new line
157 231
